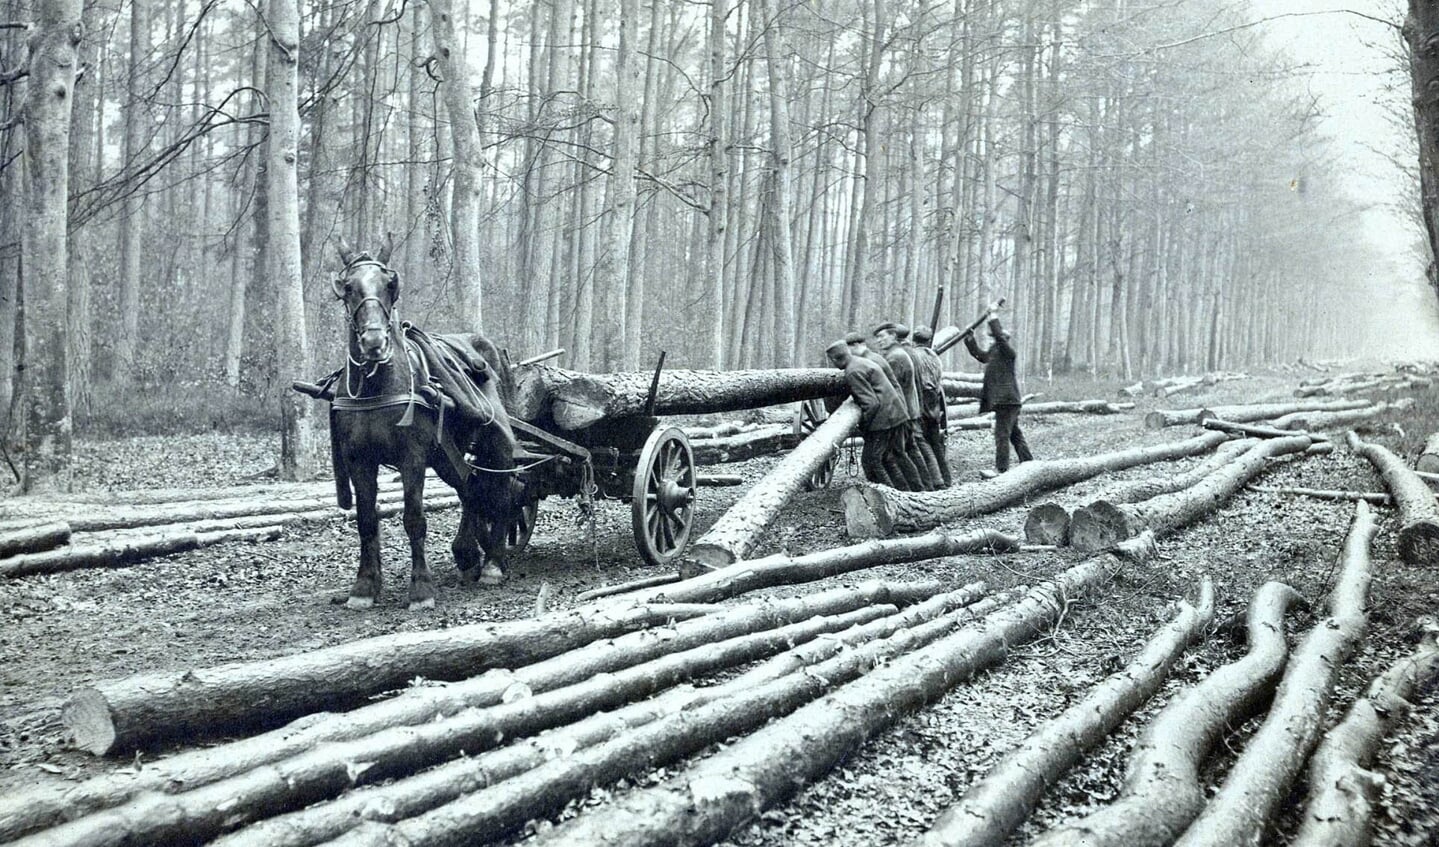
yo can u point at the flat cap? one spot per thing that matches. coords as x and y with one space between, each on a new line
882 327
836 347
853 338
922 334
901 331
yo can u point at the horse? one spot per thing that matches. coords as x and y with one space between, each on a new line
386 412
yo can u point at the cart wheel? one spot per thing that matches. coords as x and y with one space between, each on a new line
517 537
662 503
807 418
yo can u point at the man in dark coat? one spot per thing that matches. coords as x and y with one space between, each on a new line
1000 393
933 413
882 420
858 347
886 338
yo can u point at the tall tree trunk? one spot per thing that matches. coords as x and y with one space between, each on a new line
292 354
132 209
466 272
642 231
787 340
719 176
83 171
49 95
612 274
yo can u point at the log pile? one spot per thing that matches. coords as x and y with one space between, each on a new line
1357 383
1246 413
1418 510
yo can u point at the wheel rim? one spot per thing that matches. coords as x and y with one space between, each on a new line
811 414
662 503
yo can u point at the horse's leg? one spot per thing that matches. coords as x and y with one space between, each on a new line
466 546
500 496
366 589
422 585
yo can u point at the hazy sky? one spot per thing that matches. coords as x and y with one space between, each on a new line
1352 64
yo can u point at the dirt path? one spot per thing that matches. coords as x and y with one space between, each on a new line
240 602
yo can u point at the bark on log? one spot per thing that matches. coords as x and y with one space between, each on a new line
627 587
1346 387
126 550
992 807
955 389
35 539
1418 510
1254 430
1429 456
960 417
872 511
1262 776
1374 497
1162 792
1179 386
1342 789
124 714
737 531
1248 413
964 376
733 786
1335 420
323 770
753 574
1093 527
1132 390
576 400
422 792
1133 491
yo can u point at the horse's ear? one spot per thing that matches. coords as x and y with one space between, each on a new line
338 285
388 248
394 286
347 253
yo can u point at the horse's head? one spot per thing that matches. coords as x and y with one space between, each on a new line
369 288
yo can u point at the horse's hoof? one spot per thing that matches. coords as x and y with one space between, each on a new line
491 575
469 576
418 605
360 602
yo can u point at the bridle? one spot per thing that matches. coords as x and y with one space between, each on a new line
386 310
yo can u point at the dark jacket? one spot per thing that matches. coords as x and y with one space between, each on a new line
880 406
931 388
1001 385
905 378
879 359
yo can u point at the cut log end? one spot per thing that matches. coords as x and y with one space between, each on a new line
1098 526
705 558
87 715
1428 463
865 515
1419 543
1047 523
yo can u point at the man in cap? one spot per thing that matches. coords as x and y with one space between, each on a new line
883 420
886 338
932 411
858 347
1000 393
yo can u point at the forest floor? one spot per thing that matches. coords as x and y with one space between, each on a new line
252 601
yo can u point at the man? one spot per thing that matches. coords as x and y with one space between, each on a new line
1000 393
857 347
882 420
886 338
933 413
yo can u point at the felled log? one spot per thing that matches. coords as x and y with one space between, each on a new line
703 804
626 587
35 539
1418 510
720 430
1342 789
1374 497
1261 778
1254 430
737 531
1132 390
959 417
754 574
1429 457
1247 413
872 511
992 807
746 445
1316 421
415 795
1095 527
576 400
491 813
955 389
1047 523
126 550
964 376
1135 490
1346 386
124 714
415 705
199 814
1162 793
1179 385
